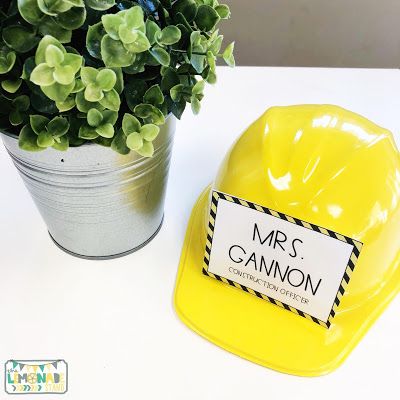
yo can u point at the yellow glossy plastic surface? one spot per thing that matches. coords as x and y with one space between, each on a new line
324 165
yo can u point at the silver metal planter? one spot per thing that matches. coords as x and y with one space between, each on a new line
95 202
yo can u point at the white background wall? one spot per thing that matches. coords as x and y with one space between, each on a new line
332 33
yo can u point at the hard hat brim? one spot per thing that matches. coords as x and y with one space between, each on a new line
260 331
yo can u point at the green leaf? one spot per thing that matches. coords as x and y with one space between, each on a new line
11 86
223 11
138 65
40 55
71 19
49 7
195 38
21 103
119 84
195 104
169 79
154 95
119 143
61 144
74 61
111 100
93 93
216 45
58 126
42 75
106 79
16 118
187 8
100 5
130 124
198 88
211 77
58 92
151 30
105 130
28 139
88 75
78 86
73 135
102 141
27 68
66 105
150 114
197 59
41 103
30 11
147 150
7 60
55 7
134 92
178 107
176 92
198 62
93 39
110 117
206 18
185 36
20 38
94 117
134 141
228 55
149 131
114 54
160 55
169 35
134 17
49 27
139 44
38 123
183 22
64 75
87 132
45 139
83 105
211 60
53 55
111 24
126 35
76 3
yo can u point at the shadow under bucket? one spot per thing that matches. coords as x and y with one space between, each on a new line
96 203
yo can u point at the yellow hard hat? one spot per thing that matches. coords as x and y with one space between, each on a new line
334 176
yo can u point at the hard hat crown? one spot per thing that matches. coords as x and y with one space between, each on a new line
330 167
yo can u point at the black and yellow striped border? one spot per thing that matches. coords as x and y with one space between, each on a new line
346 277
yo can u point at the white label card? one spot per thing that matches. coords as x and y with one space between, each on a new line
291 263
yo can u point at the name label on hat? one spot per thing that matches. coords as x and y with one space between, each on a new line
293 264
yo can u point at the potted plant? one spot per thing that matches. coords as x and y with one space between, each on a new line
90 90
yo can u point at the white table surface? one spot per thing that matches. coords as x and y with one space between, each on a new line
113 321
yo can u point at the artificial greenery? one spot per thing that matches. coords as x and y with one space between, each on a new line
104 71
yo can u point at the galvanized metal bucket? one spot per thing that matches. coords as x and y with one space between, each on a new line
95 202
